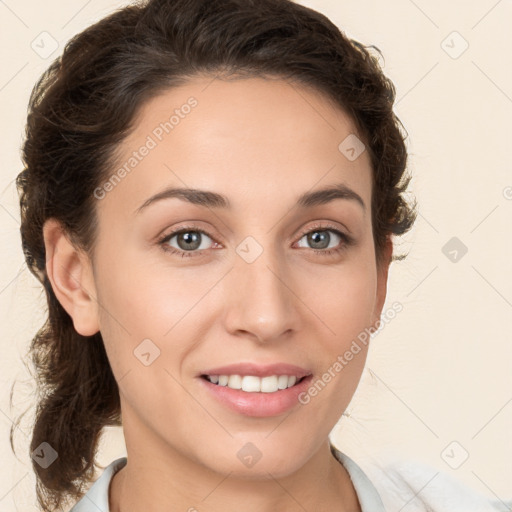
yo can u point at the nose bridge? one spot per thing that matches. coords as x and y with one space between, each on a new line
262 302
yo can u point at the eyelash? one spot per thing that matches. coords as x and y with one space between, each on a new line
347 240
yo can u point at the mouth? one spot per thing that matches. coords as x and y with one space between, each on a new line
254 383
256 389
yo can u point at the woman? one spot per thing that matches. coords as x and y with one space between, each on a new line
209 199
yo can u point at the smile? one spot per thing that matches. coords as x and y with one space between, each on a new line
254 384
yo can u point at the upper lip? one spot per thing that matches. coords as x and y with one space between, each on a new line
258 370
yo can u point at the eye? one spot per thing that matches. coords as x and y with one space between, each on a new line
186 241
325 240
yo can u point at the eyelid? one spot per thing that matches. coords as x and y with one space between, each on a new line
322 226
183 229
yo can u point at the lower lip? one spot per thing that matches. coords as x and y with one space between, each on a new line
258 403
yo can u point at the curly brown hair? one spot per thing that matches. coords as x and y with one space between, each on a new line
86 103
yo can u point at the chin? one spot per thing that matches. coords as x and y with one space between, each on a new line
259 459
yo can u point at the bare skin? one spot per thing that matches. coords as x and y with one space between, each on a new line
262 143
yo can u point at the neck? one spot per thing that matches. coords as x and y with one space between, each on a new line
179 484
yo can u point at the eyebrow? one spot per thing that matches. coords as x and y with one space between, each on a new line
210 199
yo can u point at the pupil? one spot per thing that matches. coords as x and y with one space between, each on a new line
319 237
190 237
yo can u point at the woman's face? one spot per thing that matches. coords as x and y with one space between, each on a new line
243 285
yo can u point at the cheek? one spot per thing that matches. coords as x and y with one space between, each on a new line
139 307
343 299
141 301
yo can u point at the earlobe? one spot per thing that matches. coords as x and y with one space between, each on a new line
70 274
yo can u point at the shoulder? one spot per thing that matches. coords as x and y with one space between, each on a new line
422 488
96 498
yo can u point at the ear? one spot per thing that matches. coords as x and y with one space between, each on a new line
382 281
70 273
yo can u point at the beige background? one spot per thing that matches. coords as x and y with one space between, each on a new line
440 372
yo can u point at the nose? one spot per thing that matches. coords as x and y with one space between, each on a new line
261 302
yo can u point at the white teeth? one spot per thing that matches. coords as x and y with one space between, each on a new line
235 382
282 381
253 384
269 384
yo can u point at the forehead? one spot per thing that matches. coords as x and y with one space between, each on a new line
252 139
